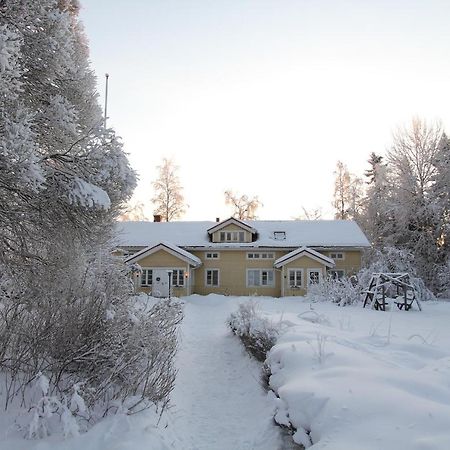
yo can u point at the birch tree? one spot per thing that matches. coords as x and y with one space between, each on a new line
347 193
168 199
244 207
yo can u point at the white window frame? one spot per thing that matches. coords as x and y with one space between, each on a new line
232 236
253 257
309 275
295 270
212 278
331 273
178 276
146 269
279 235
210 255
336 256
260 272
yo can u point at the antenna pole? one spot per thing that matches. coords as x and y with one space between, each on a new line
106 96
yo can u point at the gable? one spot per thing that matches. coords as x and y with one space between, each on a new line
164 254
232 221
303 252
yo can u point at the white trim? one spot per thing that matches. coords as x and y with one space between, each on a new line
337 253
212 253
165 268
206 277
314 270
296 269
304 251
260 258
231 221
168 248
260 278
329 271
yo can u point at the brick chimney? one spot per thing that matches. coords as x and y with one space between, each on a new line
217 219
156 218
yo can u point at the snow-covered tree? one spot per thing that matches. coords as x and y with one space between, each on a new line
347 193
244 207
133 212
64 299
168 199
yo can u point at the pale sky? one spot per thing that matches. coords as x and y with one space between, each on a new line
263 97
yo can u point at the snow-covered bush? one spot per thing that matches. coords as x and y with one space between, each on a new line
86 331
392 259
345 291
257 333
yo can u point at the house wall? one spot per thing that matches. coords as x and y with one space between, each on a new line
351 263
233 267
304 263
162 259
231 227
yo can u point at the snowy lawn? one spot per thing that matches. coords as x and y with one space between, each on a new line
348 378
353 378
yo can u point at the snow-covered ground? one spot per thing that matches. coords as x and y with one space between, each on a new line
351 377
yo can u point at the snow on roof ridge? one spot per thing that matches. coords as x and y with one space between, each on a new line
301 250
324 233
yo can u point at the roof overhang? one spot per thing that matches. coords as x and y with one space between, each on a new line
304 251
231 221
169 248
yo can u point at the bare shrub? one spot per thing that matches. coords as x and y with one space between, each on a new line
87 331
343 292
257 333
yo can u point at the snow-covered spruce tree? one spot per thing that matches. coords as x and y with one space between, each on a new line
376 217
65 308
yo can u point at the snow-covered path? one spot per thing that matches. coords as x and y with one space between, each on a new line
218 402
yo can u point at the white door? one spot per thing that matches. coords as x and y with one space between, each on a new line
161 283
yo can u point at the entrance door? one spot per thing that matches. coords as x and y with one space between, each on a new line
162 283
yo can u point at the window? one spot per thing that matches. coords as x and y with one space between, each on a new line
337 255
212 255
295 278
336 274
212 277
279 235
178 278
232 236
147 277
260 256
313 276
260 277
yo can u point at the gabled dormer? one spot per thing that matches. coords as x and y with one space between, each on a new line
232 231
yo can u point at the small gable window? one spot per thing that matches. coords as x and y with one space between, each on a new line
279 235
232 236
212 255
337 255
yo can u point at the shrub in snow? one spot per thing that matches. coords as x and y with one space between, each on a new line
257 333
394 260
343 292
97 345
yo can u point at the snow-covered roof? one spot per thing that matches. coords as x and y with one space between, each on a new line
231 221
302 251
166 246
298 233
